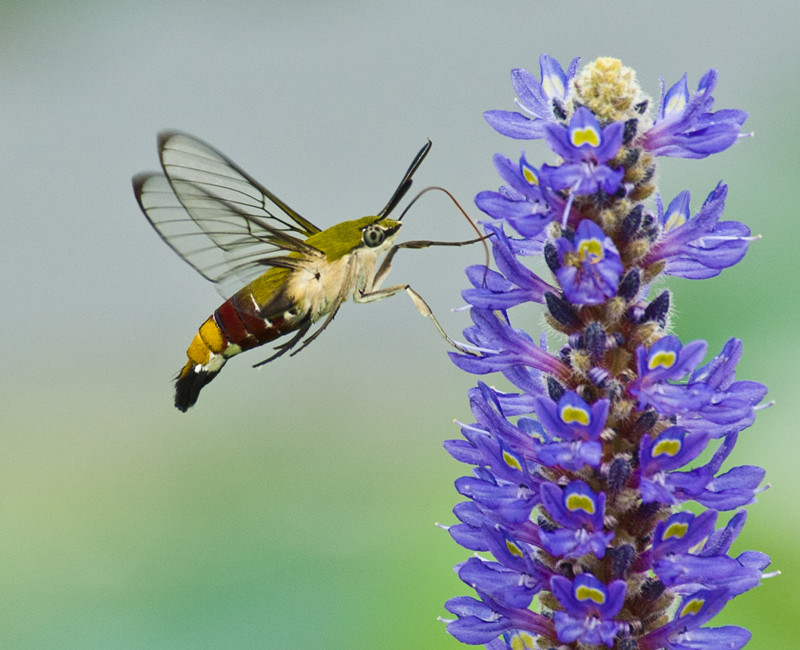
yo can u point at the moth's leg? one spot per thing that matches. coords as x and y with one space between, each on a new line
283 348
419 303
386 265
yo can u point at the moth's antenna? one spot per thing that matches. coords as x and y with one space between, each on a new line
481 237
405 184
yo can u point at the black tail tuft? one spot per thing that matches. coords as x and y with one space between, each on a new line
188 386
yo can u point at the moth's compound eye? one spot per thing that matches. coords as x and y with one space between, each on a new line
373 236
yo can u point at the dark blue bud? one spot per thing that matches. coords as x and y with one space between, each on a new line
645 422
648 175
631 157
545 524
562 311
554 389
594 338
629 286
631 126
657 310
631 223
621 560
551 257
649 228
558 110
652 589
618 473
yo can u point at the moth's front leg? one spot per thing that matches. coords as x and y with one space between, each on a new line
386 265
374 284
422 306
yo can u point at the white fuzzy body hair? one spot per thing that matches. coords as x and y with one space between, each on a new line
317 284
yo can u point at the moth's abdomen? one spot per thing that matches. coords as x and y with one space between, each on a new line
239 324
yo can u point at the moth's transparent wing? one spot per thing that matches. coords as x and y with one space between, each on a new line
223 244
186 158
215 216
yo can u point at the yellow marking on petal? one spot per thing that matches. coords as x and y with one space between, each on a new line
665 359
570 414
676 530
586 135
511 461
675 220
530 176
513 548
212 336
580 502
523 641
593 247
553 86
590 593
693 606
676 104
666 447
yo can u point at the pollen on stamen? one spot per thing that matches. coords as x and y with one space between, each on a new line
610 90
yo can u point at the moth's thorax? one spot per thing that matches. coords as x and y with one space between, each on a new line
317 284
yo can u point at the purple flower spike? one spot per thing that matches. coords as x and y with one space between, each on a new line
596 481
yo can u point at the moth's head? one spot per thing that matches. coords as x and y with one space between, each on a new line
371 233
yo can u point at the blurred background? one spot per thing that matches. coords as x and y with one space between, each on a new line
294 506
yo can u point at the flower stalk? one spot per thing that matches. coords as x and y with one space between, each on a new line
576 507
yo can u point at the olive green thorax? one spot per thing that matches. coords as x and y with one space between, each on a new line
343 238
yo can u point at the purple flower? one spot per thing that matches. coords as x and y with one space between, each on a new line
572 418
582 473
590 608
523 203
514 284
684 632
585 148
578 511
686 127
589 265
542 103
698 247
